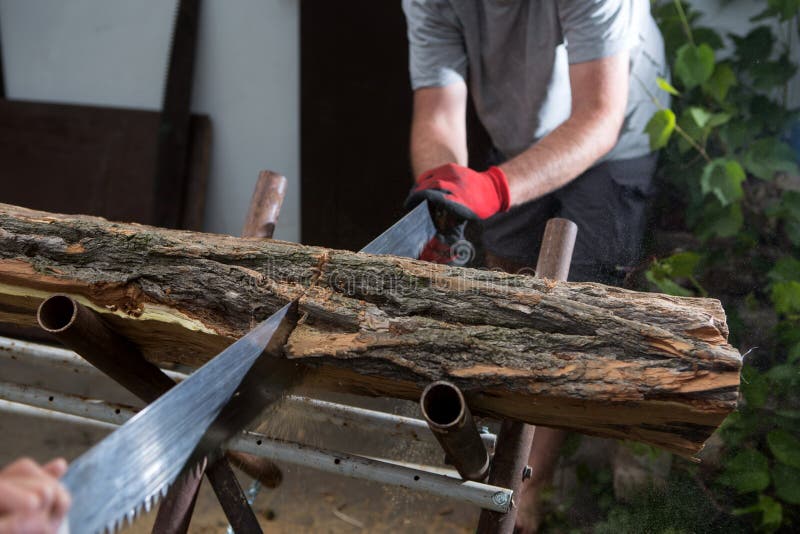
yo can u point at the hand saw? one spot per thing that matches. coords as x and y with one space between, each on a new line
133 467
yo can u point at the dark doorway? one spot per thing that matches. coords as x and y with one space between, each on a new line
355 119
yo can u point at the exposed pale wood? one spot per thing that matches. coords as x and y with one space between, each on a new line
581 356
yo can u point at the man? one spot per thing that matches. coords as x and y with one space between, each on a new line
564 88
31 499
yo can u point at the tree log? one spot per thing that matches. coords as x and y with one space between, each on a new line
580 356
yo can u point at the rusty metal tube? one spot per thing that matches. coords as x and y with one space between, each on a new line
83 331
265 205
514 439
446 412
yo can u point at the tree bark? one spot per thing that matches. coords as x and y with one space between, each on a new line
580 356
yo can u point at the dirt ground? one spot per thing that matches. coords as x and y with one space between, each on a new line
307 500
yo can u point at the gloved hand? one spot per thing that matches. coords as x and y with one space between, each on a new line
469 194
448 246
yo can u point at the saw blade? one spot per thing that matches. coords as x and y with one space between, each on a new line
407 236
132 468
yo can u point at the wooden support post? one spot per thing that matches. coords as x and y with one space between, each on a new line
265 205
514 439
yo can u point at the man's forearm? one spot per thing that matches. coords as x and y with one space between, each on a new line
599 98
559 157
432 146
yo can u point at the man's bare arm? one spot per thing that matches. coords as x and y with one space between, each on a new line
438 127
599 98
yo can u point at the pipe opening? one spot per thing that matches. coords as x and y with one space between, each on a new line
443 404
56 313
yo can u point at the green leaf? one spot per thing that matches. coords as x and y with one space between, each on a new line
786 269
755 387
786 297
745 481
768 156
769 74
665 285
690 127
735 135
767 116
718 119
794 353
660 128
788 210
723 178
666 86
792 228
720 82
785 447
755 46
782 376
748 460
720 221
787 483
740 426
789 414
694 65
682 264
699 115
771 511
788 333
782 9
747 471
788 420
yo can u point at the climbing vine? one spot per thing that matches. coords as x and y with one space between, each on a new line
730 221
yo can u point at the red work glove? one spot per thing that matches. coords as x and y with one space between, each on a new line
469 194
449 246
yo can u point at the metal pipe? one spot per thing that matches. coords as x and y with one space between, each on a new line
262 216
58 357
80 329
48 415
514 439
71 408
265 205
362 419
446 412
478 494
347 418
106 412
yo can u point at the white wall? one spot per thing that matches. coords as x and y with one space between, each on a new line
114 52
733 16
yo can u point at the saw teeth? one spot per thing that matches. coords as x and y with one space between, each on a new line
129 517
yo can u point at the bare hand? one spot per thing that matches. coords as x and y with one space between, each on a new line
32 501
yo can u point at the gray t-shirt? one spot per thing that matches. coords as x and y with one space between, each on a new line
517 55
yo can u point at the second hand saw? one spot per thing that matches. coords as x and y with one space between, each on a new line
133 467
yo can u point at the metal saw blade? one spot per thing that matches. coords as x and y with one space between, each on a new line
407 236
165 439
134 466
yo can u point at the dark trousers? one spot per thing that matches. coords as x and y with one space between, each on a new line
609 204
